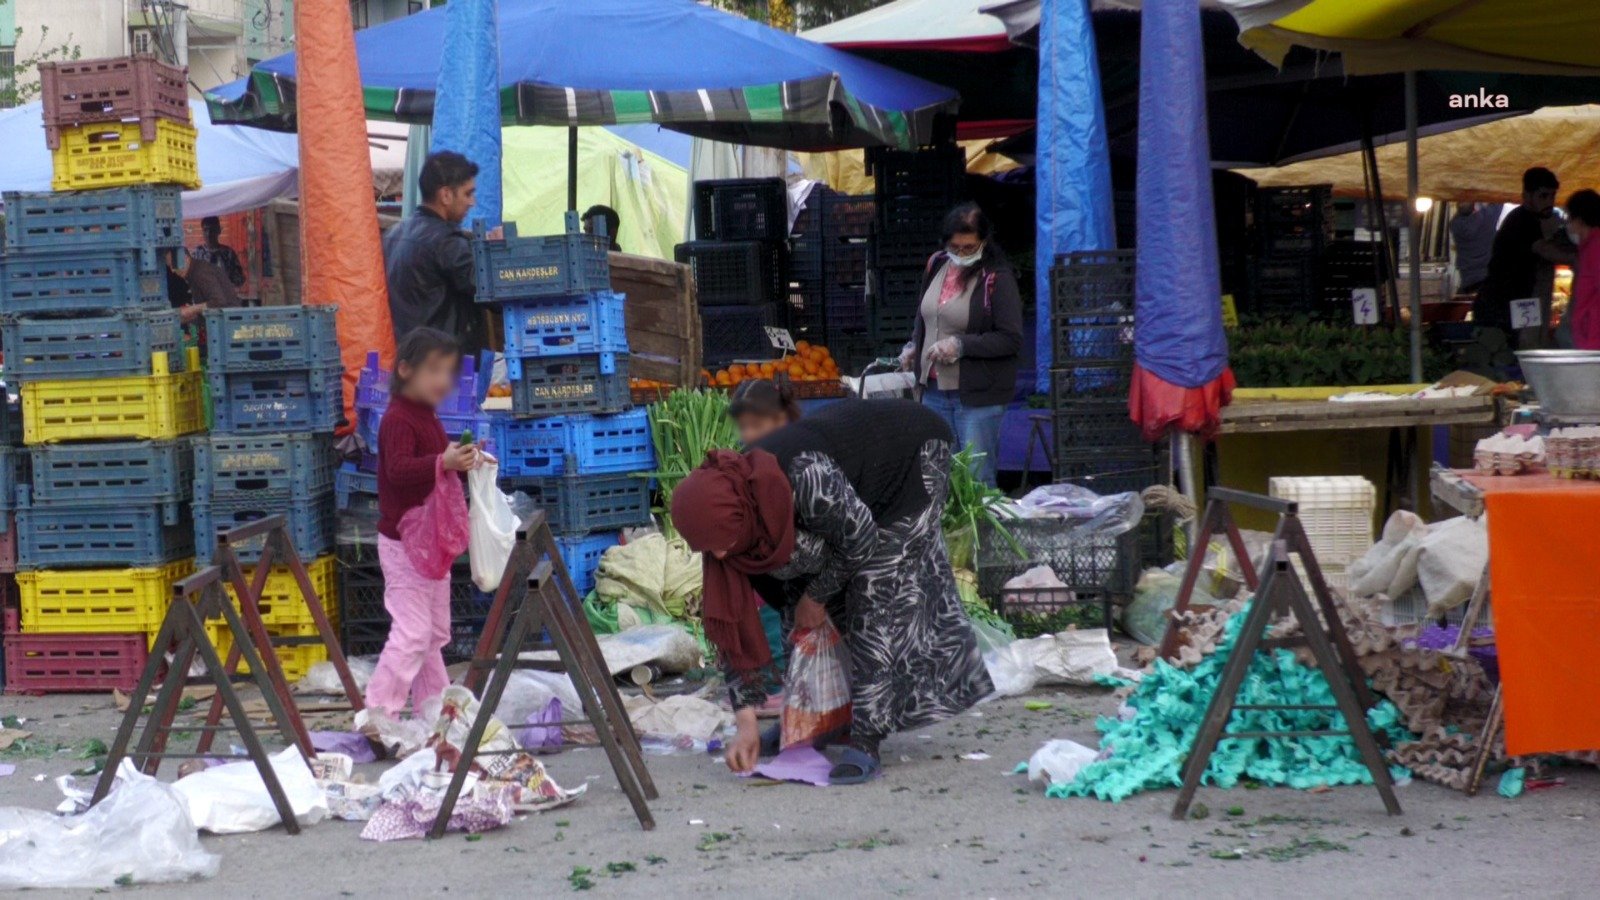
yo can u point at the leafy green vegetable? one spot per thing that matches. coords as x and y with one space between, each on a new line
1304 353
684 426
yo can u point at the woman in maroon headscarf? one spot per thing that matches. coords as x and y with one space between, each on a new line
836 516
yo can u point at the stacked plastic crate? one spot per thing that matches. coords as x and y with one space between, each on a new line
1293 227
740 266
573 442
275 382
1096 444
109 396
828 267
913 191
365 622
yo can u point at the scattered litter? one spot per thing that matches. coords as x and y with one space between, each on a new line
323 678
975 756
1037 705
541 730
7 769
39 777
9 736
1074 657
697 821
1057 762
800 763
139 834
231 798
350 743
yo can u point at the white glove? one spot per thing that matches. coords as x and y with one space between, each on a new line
946 351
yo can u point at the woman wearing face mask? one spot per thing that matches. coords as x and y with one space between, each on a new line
1583 226
968 333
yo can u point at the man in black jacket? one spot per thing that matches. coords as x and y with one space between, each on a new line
427 259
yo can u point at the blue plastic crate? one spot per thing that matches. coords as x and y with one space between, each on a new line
562 326
368 423
312 525
264 466
372 389
10 470
115 344
101 474
582 556
350 481
561 265
278 402
96 537
44 283
561 385
271 339
146 218
596 444
579 504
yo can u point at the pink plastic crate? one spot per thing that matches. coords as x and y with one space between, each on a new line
71 663
121 89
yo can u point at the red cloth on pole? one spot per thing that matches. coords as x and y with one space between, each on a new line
341 253
1160 406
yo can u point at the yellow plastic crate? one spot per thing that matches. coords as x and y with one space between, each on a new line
296 661
140 407
281 603
98 601
115 154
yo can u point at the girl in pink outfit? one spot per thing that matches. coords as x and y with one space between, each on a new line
412 448
1583 227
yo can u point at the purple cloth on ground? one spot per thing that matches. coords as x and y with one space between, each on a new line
800 763
543 728
349 743
6 769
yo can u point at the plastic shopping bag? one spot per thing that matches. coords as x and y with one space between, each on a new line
494 526
435 533
817 689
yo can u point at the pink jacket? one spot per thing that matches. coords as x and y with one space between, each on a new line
1584 307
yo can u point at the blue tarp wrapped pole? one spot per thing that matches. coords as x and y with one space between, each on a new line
466 111
1073 172
1178 287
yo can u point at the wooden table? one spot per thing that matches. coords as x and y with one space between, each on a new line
1258 416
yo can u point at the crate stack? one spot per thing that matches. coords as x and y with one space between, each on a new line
913 190
740 266
1096 444
275 381
1293 227
365 623
101 491
828 267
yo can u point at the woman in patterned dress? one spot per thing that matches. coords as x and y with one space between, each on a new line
836 516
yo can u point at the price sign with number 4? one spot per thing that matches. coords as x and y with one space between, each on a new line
780 338
1364 305
1525 313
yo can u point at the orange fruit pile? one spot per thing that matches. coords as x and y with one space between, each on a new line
808 363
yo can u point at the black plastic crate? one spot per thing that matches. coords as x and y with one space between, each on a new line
579 504
1102 382
1307 204
1156 548
364 623
737 333
1095 426
585 383
741 209
833 214
939 171
1094 340
822 260
1087 563
736 273
1115 472
1092 281
837 309
901 249
900 286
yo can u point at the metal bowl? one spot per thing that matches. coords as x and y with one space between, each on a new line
1567 382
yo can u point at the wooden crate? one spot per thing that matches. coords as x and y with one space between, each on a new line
662 316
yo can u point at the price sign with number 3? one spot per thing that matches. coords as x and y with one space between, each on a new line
1525 313
1364 305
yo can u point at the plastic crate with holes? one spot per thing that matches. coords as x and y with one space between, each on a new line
1095 568
1116 471
302 400
98 601
735 273
269 466
139 221
562 326
742 209
138 88
580 504
271 339
559 385
281 602
116 154
372 391
163 405
112 344
559 265
1089 427
311 524
68 280
86 475
94 537
737 333
1337 512
585 444
296 659
70 663
1095 281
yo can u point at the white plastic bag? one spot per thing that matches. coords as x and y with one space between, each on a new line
231 798
494 526
1058 762
139 834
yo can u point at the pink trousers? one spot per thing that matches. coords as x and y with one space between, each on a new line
419 613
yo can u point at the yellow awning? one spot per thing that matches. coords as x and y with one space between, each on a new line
1374 36
1483 163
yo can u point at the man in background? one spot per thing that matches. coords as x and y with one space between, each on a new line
215 252
597 214
197 286
427 258
1531 242
1472 229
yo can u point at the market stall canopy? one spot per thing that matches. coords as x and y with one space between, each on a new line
1483 163
1534 37
240 168
953 43
601 62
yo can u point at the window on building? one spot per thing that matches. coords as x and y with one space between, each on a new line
359 16
8 76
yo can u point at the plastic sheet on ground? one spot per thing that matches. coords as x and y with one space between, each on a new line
323 678
1147 751
140 833
1074 657
1058 762
668 646
232 799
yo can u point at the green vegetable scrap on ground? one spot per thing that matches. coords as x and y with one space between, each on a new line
1148 751
684 426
